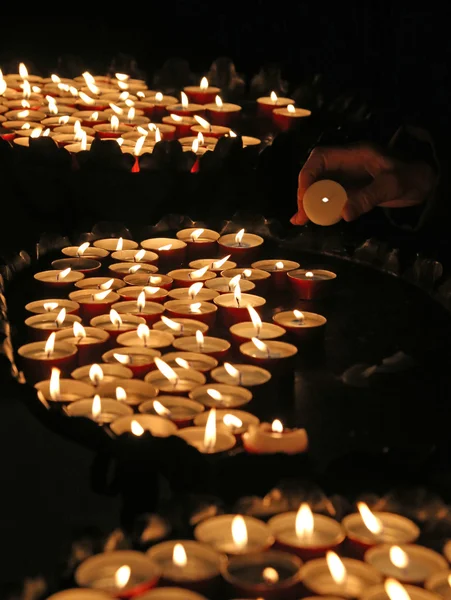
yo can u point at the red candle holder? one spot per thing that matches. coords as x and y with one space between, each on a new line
273 353
172 252
90 348
242 247
246 330
203 93
226 114
94 303
312 285
278 270
58 282
37 364
124 324
181 327
139 360
206 312
201 242
286 118
87 117
305 326
267 104
182 124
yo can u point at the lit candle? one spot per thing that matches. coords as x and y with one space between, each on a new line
213 346
185 108
274 438
234 421
259 278
171 251
177 409
312 284
182 124
214 265
227 285
202 93
155 425
174 381
59 280
139 360
38 358
289 116
267 104
306 326
40 326
267 353
186 277
116 244
324 202
39 307
208 440
115 324
242 246
131 293
90 342
195 293
218 395
393 590
180 327
160 280
278 269
124 269
255 328
96 374
199 311
201 242
148 338
133 256
191 360
60 390
244 375
223 113
149 311
234 534
101 410
85 250
100 283
206 128
94 303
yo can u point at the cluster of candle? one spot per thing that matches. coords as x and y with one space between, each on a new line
295 554
109 319
75 111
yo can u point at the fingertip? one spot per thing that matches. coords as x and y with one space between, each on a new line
349 213
298 219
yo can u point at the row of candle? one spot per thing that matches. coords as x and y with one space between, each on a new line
265 559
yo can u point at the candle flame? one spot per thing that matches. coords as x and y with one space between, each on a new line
231 370
277 426
234 282
370 520
291 109
196 234
336 568
54 387
96 406
239 236
73 90
273 97
26 89
219 102
122 576
121 394
309 274
96 374
86 99
184 99
166 370
279 265
232 134
120 244
26 126
143 333
134 269
124 97
158 135
160 409
247 273
217 396
114 123
184 364
78 330
115 318
195 146
141 302
200 138
23 71
122 85
199 273
122 76
94 116
270 575
398 557
83 141
179 557
50 306
139 145
232 421
63 274
196 308
82 249
298 315
61 317
202 122
204 83
88 78
220 263
195 289
176 118
143 131
123 359
107 285
304 521
165 248
171 324
200 339
150 290
137 429
139 255
237 294
131 114
36 132
255 318
239 532
3 86
50 344
101 295
395 591
159 97
210 431
55 78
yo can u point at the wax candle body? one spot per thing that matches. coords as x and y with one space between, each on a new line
187 327
155 339
153 294
216 347
122 270
274 353
199 362
227 114
206 312
262 440
230 396
232 311
151 312
243 332
186 277
222 285
128 323
247 419
92 303
111 373
312 285
259 278
195 436
139 360
284 119
308 327
160 280
90 348
247 376
182 411
201 95
40 307
266 105
203 246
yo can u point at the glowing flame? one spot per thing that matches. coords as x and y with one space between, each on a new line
142 131
279 265
92 88
237 294
96 406
134 269
231 370
61 317
23 114
291 109
79 331
395 591
195 146
65 120
141 302
94 116
232 134
88 78
54 387
122 577
26 89
217 396
115 318
117 109
46 132
298 315
107 285
139 255
122 76
83 141
398 557
219 102
123 96
196 308
86 99
202 122
137 429
176 118
210 431
247 273
121 394
139 145
26 126
160 409
151 291
195 289
158 135
232 421
131 114
200 339
82 249
50 344
239 237
179 557
171 324
277 426
255 318
196 234
122 85
50 306
120 244
166 370
234 282
154 280
159 97
184 99
101 295
309 274
273 97
165 248
270 575
123 359
25 104
370 520
96 374
143 333
63 274
3 86
55 78
200 138
128 102
336 568
36 132
220 263
114 123
239 532
184 364
304 521
23 71
204 83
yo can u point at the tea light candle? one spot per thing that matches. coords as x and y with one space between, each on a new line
59 280
116 244
80 594
192 360
139 360
64 121
200 311
90 342
219 395
94 303
289 116
85 251
234 534
233 308
195 293
157 426
241 246
267 104
201 242
347 578
303 325
64 390
226 285
40 307
100 283
182 124
148 338
213 264
271 439
88 266
100 373
186 563
122 270
207 129
222 113
198 437
408 563
236 422
27 115
439 583
39 358
154 294
111 130
259 278
149 311
129 391
393 589
202 93
180 327
312 285
160 280
366 528
243 332
177 409
324 202
278 269
174 381
121 573
101 410
306 534
203 141
170 251
116 324
185 108
272 575
213 346
40 326
186 277
244 375
132 256
89 118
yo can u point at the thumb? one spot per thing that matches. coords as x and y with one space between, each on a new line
384 188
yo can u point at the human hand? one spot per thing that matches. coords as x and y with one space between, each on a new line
394 184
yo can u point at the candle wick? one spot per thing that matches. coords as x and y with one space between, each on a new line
49 353
238 303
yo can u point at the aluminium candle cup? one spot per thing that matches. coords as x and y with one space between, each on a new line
137 391
249 376
284 119
129 323
111 373
232 396
90 252
183 127
97 282
80 594
396 529
213 346
188 327
422 563
111 244
229 311
182 411
99 572
195 436
222 285
262 440
110 409
244 573
319 286
266 105
183 277
202 247
131 293
154 280
246 418
378 592
226 115
316 578
217 533
41 326
187 380
199 362
38 306
53 281
157 426
182 309
245 331
90 348
327 535
37 365
70 391
128 256
261 279
204 295
91 307
277 352
212 264
122 270
139 360
241 252
215 131
309 329
156 340
172 593
279 276
173 256
439 584
151 312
